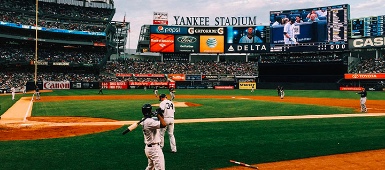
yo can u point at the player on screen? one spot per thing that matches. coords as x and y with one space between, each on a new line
250 37
288 32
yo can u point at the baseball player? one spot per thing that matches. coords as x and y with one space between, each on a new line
151 135
37 93
288 32
168 109
172 93
282 92
156 91
13 93
363 99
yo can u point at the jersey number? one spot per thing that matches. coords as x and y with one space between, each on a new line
169 105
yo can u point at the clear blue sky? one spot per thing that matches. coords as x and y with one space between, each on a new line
140 12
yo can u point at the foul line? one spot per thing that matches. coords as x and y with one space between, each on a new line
29 108
207 120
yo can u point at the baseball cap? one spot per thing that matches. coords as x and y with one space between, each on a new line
162 96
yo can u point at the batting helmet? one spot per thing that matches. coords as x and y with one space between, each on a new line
146 110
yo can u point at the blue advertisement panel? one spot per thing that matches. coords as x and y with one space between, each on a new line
246 39
193 77
161 29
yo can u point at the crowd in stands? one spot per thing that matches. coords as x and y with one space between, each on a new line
56 16
201 67
15 53
371 65
60 10
300 58
49 23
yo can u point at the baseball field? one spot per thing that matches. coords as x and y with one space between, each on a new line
308 129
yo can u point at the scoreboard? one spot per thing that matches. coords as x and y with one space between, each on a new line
367 27
329 33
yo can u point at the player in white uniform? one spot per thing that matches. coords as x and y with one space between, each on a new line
168 109
288 32
156 91
13 93
151 132
172 93
282 92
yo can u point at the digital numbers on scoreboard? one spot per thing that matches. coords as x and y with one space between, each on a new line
367 27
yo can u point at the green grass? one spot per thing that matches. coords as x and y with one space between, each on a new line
200 145
211 108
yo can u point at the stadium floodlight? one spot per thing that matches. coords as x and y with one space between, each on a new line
36 25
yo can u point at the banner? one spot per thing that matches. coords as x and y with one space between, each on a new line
149 75
160 18
365 76
147 83
193 77
212 44
123 75
114 85
224 87
187 43
162 43
350 88
177 77
248 85
56 85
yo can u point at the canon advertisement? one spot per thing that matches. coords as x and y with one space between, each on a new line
47 85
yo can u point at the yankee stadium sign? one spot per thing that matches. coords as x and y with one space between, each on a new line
218 21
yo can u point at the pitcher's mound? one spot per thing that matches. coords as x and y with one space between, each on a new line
182 104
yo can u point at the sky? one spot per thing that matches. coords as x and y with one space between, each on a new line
140 12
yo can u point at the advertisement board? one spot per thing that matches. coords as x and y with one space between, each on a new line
211 44
161 43
187 43
247 85
365 76
160 18
162 29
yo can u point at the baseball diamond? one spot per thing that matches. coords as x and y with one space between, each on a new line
45 127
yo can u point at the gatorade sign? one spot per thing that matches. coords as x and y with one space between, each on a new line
248 85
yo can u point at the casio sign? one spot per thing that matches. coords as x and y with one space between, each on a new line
371 42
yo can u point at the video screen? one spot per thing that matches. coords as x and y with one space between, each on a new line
320 24
246 39
250 34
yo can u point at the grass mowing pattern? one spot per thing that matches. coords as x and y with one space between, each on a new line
211 108
202 145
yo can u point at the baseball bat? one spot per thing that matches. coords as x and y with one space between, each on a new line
243 164
133 126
